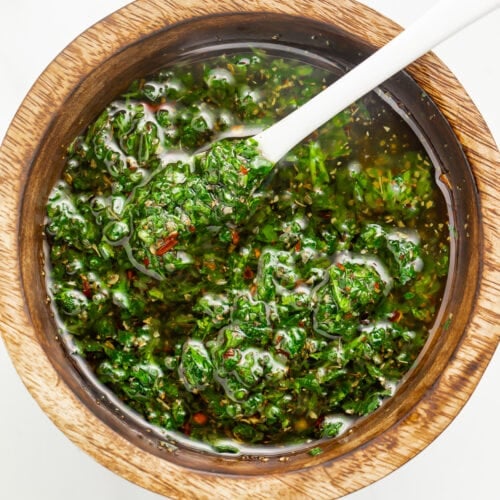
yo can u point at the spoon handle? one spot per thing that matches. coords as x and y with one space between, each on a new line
434 26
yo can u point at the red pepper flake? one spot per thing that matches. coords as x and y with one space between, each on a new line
376 286
319 421
396 316
146 262
211 265
286 354
86 290
130 274
244 170
248 274
200 418
340 266
229 353
298 246
186 428
253 289
257 252
153 106
191 229
168 243
235 237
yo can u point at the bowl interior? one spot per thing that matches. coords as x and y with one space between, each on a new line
214 34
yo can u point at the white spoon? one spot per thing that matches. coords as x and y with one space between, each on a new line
436 25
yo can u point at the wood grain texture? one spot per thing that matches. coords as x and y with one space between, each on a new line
347 472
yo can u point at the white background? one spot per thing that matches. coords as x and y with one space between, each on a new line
37 462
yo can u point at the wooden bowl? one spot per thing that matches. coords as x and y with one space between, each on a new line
135 41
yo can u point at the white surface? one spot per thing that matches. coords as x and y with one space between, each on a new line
37 462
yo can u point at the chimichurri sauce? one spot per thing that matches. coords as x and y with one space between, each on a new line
235 305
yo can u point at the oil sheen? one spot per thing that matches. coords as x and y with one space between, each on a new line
228 302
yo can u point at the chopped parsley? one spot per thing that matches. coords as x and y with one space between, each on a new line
236 302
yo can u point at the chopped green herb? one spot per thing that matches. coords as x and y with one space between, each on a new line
234 302
315 451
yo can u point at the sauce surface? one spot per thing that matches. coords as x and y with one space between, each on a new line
229 301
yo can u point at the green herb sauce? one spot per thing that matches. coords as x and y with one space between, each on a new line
233 302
